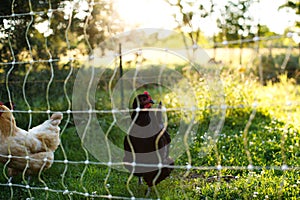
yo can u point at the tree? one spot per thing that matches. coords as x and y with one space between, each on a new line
236 23
188 15
40 30
295 5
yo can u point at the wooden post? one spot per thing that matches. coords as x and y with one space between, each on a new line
215 46
121 74
241 50
260 66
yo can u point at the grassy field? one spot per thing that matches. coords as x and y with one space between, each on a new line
261 128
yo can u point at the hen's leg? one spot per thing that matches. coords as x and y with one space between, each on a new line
28 179
9 179
11 173
148 192
140 181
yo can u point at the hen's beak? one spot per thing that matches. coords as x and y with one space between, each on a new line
151 101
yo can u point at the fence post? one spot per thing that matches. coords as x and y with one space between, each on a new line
260 66
121 74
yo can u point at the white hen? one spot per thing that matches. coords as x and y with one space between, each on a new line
31 150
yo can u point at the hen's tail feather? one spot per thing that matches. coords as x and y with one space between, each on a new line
57 116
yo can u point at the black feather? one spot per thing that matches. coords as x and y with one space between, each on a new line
147 142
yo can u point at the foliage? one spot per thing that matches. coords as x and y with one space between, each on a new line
42 30
295 5
274 67
272 140
188 14
236 23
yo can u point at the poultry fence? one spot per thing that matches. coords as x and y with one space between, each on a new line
231 109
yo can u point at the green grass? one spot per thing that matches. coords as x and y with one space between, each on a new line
272 140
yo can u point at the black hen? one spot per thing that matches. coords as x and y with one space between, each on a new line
147 143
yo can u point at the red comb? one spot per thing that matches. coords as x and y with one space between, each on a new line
146 93
1 104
